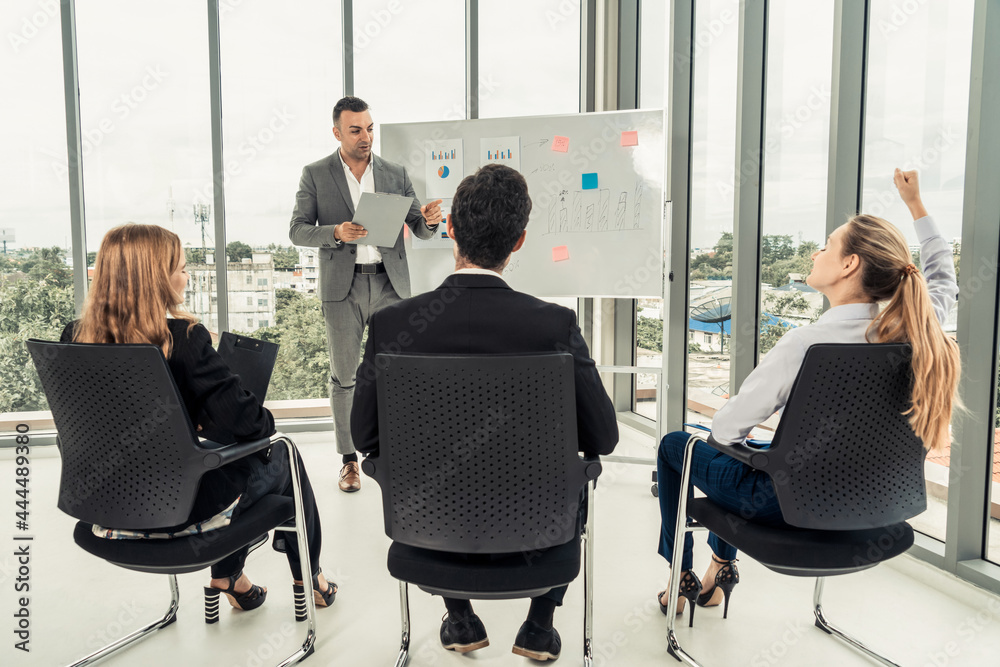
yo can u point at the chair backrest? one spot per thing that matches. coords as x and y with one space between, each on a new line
130 457
844 456
479 454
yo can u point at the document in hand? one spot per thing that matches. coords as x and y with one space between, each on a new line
382 214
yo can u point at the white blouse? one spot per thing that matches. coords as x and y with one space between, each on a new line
766 389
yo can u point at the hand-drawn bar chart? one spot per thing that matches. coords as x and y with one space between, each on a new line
590 211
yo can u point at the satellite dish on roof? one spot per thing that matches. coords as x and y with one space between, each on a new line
715 311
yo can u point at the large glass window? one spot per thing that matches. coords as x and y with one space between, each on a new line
654 77
712 206
796 157
916 118
36 270
713 147
147 133
542 79
277 117
409 59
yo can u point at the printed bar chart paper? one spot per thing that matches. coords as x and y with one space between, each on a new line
443 168
501 150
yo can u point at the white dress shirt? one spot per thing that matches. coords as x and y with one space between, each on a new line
477 272
367 254
766 389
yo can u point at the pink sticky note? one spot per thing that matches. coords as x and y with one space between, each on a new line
560 144
560 253
630 138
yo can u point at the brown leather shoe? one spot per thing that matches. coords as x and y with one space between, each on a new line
350 477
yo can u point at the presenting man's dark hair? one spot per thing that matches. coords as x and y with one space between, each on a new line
488 214
349 103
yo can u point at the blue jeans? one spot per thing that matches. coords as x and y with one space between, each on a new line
727 482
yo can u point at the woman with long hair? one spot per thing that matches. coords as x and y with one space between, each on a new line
137 296
866 262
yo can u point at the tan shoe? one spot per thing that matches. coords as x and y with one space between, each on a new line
350 477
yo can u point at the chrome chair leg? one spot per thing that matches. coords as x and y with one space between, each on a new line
141 633
837 633
588 580
308 645
404 618
673 587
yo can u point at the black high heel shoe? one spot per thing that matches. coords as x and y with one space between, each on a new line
725 579
689 588
322 598
251 599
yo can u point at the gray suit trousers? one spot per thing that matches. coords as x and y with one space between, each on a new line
345 323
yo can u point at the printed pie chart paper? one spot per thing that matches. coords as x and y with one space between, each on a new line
443 162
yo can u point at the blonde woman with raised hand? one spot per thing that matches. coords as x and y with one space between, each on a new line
865 262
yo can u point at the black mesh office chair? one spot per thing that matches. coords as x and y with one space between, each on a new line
478 455
131 459
847 469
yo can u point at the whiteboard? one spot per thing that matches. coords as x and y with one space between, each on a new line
597 219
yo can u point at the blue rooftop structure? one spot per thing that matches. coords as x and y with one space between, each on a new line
765 319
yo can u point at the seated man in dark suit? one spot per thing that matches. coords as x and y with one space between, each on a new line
482 315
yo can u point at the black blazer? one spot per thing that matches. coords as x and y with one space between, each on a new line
209 390
479 314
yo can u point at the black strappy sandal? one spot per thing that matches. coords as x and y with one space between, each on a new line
247 601
322 598
690 586
725 579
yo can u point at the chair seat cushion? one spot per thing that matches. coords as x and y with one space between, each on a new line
489 574
800 551
189 554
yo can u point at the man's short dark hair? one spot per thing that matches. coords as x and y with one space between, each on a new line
488 214
349 103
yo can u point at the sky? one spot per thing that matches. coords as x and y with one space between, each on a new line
144 96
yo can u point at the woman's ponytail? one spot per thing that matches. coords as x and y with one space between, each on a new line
888 274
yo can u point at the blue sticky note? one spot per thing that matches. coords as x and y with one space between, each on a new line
590 181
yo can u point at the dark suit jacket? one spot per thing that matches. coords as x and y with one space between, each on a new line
479 314
324 201
210 390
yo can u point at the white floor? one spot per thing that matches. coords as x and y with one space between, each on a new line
917 614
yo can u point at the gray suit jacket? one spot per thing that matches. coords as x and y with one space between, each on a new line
324 200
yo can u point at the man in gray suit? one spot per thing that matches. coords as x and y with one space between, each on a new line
355 280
